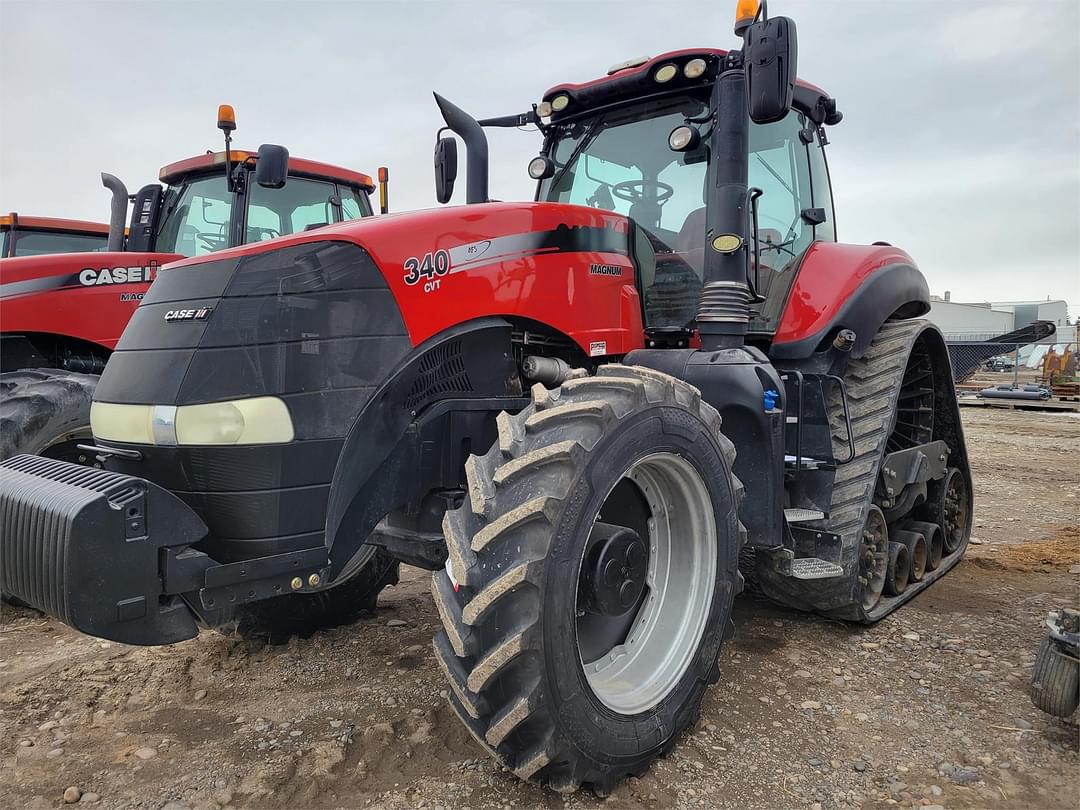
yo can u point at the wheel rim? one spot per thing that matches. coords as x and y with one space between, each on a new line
954 512
634 660
873 558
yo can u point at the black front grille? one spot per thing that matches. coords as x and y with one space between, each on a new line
440 373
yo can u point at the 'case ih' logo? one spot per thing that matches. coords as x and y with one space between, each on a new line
200 314
93 277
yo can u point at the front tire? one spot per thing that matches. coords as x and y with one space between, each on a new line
565 675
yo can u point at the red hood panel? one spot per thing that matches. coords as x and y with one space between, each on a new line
86 296
566 266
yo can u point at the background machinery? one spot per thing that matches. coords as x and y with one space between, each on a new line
33 236
580 412
63 311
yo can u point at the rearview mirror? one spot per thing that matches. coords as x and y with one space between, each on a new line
272 166
771 54
445 168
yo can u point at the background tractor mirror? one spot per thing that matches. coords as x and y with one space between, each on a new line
445 168
771 56
272 166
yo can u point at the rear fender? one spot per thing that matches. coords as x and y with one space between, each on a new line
853 287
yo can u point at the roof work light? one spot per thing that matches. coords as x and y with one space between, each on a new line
746 12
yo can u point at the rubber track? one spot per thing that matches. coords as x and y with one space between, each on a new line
873 384
41 404
498 540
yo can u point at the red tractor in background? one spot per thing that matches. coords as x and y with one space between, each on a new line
64 312
590 415
34 236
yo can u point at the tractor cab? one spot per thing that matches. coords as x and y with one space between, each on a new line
234 197
35 236
201 211
637 142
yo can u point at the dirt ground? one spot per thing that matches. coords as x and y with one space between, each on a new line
929 707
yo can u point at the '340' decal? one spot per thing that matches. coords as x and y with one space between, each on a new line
430 266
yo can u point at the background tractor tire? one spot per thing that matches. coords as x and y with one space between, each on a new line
45 411
276 620
511 600
1055 680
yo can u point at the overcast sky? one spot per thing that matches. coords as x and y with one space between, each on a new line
960 140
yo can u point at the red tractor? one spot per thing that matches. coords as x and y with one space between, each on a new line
64 312
34 236
581 413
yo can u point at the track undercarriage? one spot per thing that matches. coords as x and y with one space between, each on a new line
896 514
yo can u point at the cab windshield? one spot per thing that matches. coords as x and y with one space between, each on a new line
195 216
620 161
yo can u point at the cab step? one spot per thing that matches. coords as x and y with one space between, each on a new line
802 515
814 568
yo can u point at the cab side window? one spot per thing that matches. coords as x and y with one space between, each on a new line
780 168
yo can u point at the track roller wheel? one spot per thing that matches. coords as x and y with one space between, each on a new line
590 578
896 578
932 534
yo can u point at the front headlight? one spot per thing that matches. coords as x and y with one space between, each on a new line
259 420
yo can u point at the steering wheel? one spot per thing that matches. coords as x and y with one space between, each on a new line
633 191
213 241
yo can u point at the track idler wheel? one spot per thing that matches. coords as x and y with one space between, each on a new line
933 536
873 558
916 546
896 578
948 505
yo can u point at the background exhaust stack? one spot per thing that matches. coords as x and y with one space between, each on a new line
118 212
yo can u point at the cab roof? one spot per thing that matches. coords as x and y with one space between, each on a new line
635 78
52 224
297 166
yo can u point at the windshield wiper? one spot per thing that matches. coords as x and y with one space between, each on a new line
592 129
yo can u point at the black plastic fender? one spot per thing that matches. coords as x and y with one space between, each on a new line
386 460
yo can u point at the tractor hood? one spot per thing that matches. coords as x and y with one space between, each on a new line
538 260
82 296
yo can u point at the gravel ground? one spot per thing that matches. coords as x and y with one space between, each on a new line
927 708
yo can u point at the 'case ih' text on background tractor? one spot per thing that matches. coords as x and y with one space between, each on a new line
35 236
580 412
63 314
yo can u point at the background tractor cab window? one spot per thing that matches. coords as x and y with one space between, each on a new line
620 161
40 243
197 212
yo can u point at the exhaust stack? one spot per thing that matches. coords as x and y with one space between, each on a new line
476 146
723 312
118 212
